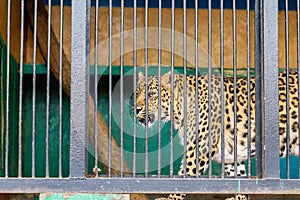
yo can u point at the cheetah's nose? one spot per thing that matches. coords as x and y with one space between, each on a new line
150 121
138 110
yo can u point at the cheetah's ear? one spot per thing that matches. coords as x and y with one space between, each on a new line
166 79
141 76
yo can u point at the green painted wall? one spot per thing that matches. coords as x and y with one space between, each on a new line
13 111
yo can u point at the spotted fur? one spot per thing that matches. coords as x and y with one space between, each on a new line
204 119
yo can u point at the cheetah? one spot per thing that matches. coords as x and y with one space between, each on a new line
215 118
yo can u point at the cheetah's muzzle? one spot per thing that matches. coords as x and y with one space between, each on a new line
150 120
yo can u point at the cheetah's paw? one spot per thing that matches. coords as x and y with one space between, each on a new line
238 197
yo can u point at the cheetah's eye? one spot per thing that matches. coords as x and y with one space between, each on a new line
151 93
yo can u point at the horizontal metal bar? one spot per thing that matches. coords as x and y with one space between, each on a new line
190 4
149 185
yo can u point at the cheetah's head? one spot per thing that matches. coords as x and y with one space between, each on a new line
152 99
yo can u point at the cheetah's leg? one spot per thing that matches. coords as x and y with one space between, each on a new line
191 168
241 171
238 197
173 197
189 172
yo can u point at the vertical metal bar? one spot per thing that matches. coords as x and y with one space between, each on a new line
96 89
88 53
248 90
287 89
60 86
258 86
110 91
196 91
184 87
234 85
146 86
48 87
34 88
21 90
298 54
209 87
159 90
122 88
7 87
79 86
222 87
270 88
172 86
134 86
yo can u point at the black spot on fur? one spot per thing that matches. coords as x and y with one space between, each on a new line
202 163
228 126
281 131
294 141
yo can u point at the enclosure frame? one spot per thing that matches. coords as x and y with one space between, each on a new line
269 183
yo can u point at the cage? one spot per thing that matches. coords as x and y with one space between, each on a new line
70 78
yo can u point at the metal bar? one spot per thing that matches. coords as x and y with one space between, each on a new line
48 87
134 85
122 90
248 91
159 90
298 54
258 86
209 88
149 185
7 87
146 87
34 89
110 91
185 89
287 90
270 89
88 54
21 90
172 87
222 87
196 91
234 85
60 87
79 86
96 89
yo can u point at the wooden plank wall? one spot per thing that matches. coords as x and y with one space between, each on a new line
153 36
14 26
